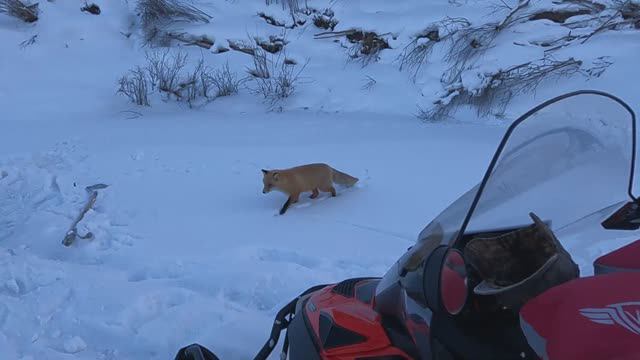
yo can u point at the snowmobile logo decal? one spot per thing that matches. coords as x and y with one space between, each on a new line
626 315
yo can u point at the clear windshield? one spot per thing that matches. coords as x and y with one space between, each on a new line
566 160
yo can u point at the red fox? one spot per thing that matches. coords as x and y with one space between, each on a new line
311 177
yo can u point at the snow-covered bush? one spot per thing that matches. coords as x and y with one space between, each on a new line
325 20
366 47
467 80
493 90
91 8
362 46
169 74
20 9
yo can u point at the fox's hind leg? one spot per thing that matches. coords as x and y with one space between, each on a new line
315 194
330 189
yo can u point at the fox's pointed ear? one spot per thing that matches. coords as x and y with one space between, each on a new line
275 176
264 171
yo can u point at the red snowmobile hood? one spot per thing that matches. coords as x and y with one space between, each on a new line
590 318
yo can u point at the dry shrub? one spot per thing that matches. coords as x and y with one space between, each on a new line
157 16
20 9
274 77
325 20
168 74
498 88
135 86
416 53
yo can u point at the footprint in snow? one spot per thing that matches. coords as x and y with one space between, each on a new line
74 345
4 314
168 272
284 256
147 308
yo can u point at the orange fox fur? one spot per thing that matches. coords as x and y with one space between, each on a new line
311 177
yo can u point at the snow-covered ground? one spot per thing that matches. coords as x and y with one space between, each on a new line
187 248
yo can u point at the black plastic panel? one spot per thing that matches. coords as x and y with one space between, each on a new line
399 336
301 340
334 336
366 291
347 287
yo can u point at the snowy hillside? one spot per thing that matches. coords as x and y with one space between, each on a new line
185 246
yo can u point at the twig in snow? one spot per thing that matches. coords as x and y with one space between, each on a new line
369 83
72 233
29 41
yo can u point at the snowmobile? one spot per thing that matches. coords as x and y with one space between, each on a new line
489 278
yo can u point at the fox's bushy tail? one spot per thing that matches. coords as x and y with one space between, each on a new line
343 179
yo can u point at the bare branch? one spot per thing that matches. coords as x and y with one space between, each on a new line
415 54
164 71
275 78
508 20
625 14
135 86
30 41
599 66
471 41
225 82
369 83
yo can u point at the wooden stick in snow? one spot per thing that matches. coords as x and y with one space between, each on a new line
72 234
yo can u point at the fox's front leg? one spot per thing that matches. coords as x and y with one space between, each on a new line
285 206
291 200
